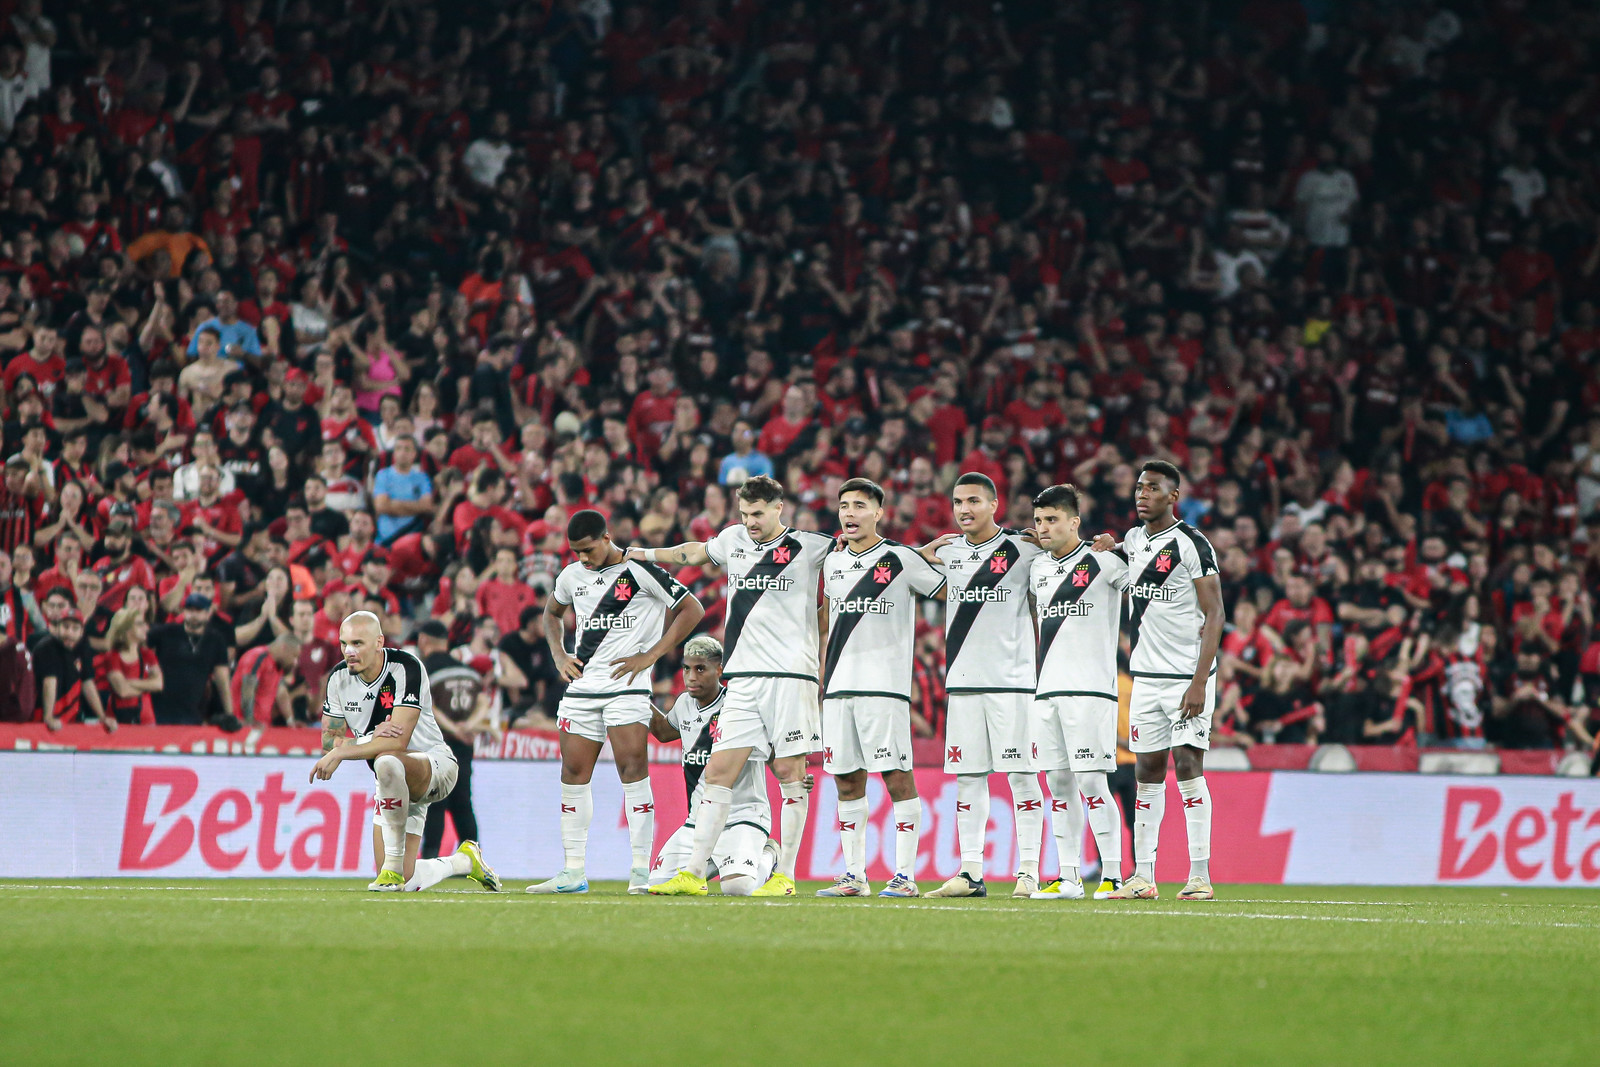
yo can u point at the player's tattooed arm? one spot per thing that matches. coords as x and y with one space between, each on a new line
688 554
332 733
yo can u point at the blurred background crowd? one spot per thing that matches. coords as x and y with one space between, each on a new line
311 307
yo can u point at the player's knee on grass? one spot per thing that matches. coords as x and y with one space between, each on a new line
1189 762
738 885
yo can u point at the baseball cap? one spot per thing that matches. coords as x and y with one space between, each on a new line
71 613
199 601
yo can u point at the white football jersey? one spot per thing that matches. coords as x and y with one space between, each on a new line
1078 598
403 682
872 619
771 628
1165 619
621 611
988 642
698 727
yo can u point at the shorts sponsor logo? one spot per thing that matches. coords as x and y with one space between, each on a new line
794 735
1084 753
1010 753
882 753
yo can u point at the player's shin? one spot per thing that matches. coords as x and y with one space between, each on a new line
1066 822
1197 818
972 822
792 824
907 834
1150 804
577 810
709 819
1028 800
393 798
1104 820
641 808
853 835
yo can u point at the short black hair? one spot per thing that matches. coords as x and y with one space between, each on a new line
1064 497
1163 468
761 488
983 481
863 485
586 524
529 614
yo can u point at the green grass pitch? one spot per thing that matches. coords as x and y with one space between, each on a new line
280 972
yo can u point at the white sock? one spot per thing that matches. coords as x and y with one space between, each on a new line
429 873
907 831
764 867
641 807
577 810
1197 817
1066 821
393 799
791 825
1105 820
972 822
853 835
1149 805
1028 800
709 819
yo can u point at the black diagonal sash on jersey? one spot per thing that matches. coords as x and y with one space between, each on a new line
610 606
382 707
744 601
966 613
1068 592
870 588
1151 575
693 771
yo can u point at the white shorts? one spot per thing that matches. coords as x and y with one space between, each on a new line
987 732
591 716
866 734
443 770
771 716
737 852
1077 733
1154 720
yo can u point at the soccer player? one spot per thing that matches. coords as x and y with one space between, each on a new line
744 854
1073 727
989 675
872 585
772 649
381 695
1176 621
630 614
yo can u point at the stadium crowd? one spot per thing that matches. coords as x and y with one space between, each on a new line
311 307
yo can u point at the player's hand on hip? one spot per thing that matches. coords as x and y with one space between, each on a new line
1194 700
930 551
809 781
325 767
632 666
388 728
1104 543
570 668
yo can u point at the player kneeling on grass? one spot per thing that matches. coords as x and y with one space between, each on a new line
381 696
744 854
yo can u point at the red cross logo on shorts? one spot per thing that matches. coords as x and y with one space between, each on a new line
781 554
564 725
1030 805
882 574
827 754
1080 577
1035 750
1133 734
1164 562
1194 802
1095 802
954 755
998 564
